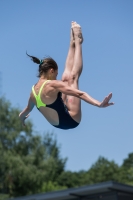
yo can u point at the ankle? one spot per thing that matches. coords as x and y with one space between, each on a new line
78 41
72 43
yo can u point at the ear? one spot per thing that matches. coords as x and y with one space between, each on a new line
52 70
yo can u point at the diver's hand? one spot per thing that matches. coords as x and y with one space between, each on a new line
23 118
105 102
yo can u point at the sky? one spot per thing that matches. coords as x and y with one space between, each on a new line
42 28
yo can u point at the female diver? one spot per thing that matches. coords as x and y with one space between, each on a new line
60 101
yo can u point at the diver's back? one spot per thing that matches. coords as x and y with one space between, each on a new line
43 96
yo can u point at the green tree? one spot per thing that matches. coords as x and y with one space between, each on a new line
27 161
57 164
127 170
102 170
128 162
52 186
71 179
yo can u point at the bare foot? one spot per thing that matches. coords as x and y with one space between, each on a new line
72 37
76 28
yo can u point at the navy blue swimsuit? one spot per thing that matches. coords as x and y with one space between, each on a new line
65 119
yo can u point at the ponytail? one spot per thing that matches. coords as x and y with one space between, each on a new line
44 65
34 59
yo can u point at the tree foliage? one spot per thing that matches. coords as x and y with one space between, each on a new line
127 170
102 170
71 179
27 161
30 163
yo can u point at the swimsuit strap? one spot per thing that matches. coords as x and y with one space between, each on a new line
34 92
41 88
37 97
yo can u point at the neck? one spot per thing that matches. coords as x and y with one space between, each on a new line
43 77
46 77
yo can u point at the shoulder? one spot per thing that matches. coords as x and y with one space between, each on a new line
56 84
52 86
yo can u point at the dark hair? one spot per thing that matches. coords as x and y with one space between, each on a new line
45 64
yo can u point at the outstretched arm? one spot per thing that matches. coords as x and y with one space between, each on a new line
25 113
60 86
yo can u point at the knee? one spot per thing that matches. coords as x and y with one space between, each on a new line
72 78
65 77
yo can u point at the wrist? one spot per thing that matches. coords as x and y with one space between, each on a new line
98 104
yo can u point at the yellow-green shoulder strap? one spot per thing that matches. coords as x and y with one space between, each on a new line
37 97
42 88
34 92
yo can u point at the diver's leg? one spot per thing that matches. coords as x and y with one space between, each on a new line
69 61
74 103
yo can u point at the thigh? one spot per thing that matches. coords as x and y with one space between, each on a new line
74 105
65 79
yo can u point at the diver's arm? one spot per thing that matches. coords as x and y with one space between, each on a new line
25 113
60 86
